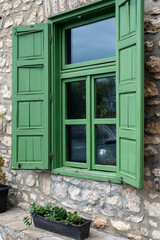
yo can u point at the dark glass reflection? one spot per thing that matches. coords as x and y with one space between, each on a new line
91 42
105 142
105 97
76 100
76 143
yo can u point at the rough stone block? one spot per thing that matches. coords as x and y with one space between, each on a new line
153 64
150 89
149 46
150 151
156 235
46 185
99 222
120 226
153 209
30 181
153 128
132 200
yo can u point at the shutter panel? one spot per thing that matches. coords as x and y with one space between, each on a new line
30 124
130 90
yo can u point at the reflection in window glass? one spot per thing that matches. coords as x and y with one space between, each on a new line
76 143
76 100
105 97
105 144
90 42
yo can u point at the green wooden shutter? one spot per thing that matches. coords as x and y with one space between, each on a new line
30 118
130 90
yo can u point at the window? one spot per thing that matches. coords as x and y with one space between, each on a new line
78 93
89 122
90 42
89 102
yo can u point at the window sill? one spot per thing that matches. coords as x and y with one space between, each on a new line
88 174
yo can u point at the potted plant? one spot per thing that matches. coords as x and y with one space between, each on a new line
3 188
58 220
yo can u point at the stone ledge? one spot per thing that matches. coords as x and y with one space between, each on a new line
12 227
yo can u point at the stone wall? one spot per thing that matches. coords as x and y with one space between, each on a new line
121 209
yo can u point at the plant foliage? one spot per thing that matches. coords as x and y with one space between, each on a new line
2 116
53 213
27 220
2 174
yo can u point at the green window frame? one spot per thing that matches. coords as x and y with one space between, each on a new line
47 134
110 13
99 121
70 122
90 122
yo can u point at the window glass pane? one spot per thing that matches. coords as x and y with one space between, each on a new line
91 42
105 97
76 143
76 100
105 142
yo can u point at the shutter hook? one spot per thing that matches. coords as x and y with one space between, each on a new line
19 165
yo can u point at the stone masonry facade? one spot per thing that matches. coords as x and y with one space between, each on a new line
120 209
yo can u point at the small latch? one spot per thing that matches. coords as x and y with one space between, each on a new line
19 165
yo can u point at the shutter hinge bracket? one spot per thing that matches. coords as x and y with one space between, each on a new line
121 179
50 156
50 39
51 98
15 31
110 180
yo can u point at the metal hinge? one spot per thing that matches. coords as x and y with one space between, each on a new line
51 98
50 156
50 39
15 31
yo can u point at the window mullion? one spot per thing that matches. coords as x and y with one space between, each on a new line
92 120
88 125
75 121
63 122
105 121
